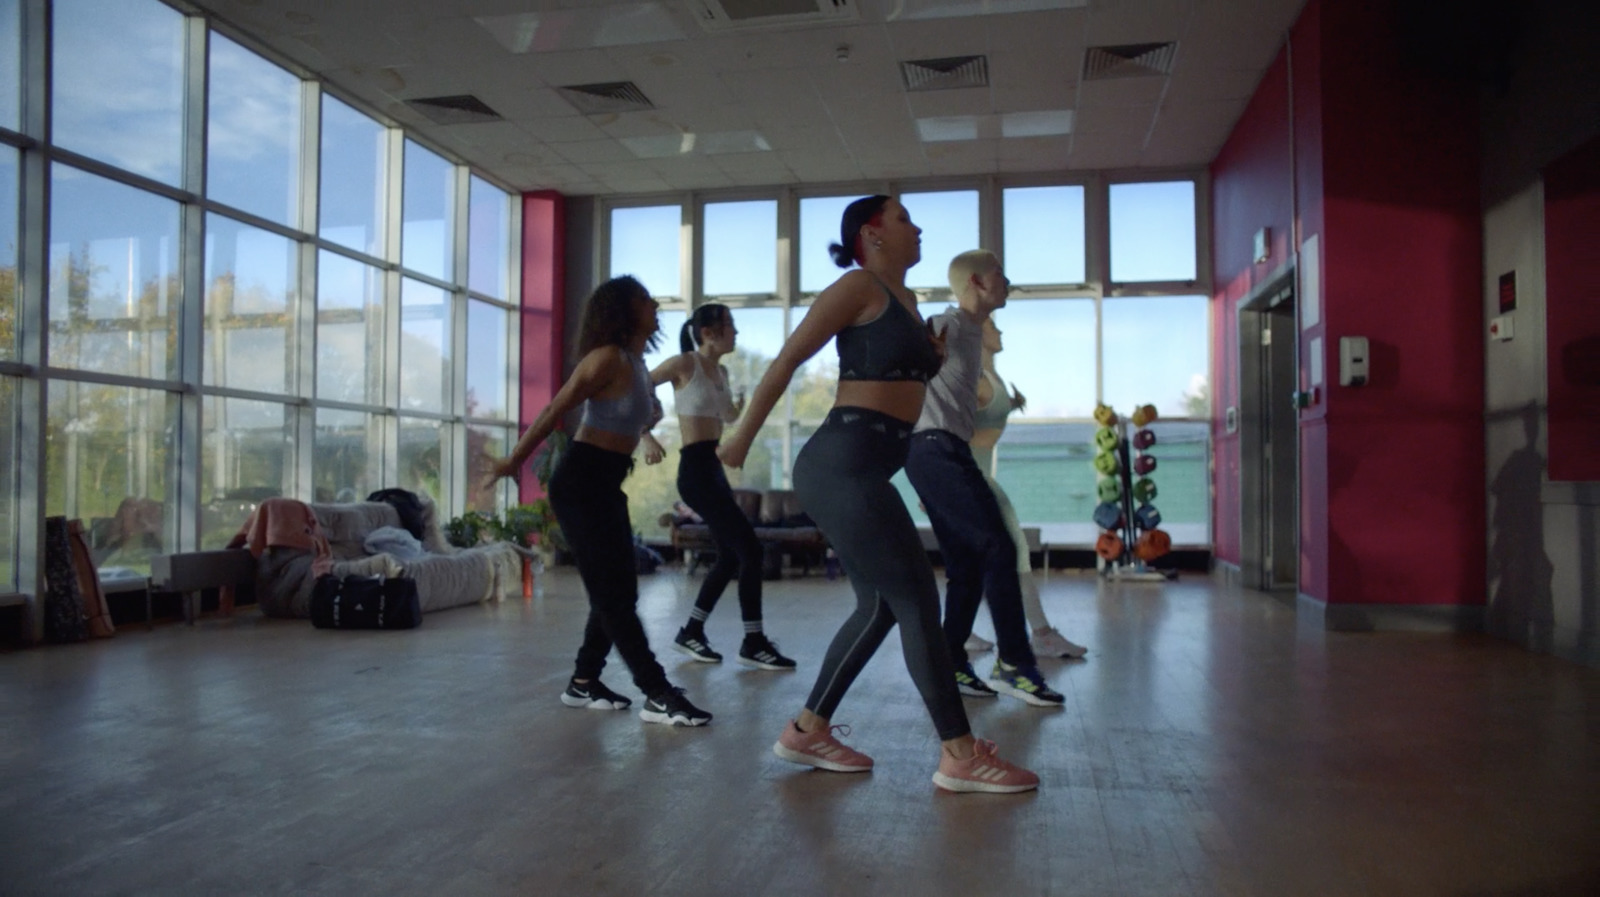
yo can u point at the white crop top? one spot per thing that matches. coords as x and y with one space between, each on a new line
706 395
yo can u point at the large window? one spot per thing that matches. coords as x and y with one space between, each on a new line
1044 235
355 166
645 243
740 254
207 344
106 464
246 457
426 244
10 63
1072 335
251 298
8 253
114 286
253 134
117 82
949 222
1153 232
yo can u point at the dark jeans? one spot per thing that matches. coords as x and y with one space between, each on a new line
586 493
704 487
842 480
979 555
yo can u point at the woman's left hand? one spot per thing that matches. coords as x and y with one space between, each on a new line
1019 402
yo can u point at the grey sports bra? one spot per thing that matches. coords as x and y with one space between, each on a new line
627 414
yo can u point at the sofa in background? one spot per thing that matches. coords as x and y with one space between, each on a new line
780 526
281 576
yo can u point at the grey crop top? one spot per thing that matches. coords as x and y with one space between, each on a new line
627 414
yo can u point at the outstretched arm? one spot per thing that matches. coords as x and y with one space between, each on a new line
594 373
836 308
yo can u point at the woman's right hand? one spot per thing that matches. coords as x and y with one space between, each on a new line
732 452
500 468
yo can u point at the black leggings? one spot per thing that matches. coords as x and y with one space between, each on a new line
704 487
842 480
586 494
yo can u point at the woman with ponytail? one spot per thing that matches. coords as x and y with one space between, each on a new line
704 404
886 357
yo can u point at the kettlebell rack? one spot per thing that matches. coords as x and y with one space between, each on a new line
1131 525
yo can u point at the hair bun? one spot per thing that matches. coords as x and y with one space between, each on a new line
841 256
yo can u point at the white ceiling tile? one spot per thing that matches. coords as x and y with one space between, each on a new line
938 103
575 67
1131 121
594 152
1104 151
1202 86
652 123
1121 92
1033 153
937 38
564 129
1148 21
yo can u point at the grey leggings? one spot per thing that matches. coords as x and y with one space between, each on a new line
842 480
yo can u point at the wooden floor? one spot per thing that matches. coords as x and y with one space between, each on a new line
1208 746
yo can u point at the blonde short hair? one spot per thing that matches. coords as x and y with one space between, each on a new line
973 261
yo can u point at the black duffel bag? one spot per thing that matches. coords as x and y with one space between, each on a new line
365 602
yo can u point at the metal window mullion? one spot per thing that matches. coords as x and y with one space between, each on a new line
451 480
514 316
991 229
691 246
28 482
788 274
184 463
1097 239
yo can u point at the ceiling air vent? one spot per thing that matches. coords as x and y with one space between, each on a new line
1128 61
740 15
945 74
454 110
613 96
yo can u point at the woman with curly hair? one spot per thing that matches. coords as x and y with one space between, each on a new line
611 382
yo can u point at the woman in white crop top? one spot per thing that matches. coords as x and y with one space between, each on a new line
705 403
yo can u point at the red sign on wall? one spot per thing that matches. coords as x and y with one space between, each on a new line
1508 292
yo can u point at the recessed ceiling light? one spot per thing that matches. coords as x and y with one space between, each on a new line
1049 123
948 127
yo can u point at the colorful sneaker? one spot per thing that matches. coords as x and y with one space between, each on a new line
970 685
983 771
1026 683
758 651
671 708
695 645
593 695
977 644
820 749
1049 643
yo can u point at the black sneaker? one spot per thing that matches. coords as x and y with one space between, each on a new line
1026 683
673 709
757 651
970 685
695 645
593 695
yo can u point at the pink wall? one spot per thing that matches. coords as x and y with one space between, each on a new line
1392 504
543 289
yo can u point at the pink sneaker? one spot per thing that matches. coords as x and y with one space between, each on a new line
820 749
983 771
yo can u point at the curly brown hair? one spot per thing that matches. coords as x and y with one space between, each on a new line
609 318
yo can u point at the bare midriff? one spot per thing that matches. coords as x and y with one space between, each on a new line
694 428
900 399
611 442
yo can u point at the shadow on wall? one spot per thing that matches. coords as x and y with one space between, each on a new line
1521 604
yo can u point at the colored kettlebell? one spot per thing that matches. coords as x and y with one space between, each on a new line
1143 415
1108 515
1104 415
1144 490
1106 463
1143 439
1144 465
1105 439
1109 489
1147 517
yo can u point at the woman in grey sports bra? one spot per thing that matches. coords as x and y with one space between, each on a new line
618 326
704 404
842 480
